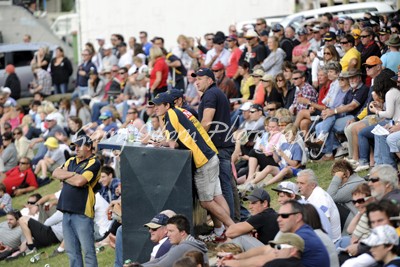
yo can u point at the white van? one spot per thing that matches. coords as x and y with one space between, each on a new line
355 11
64 25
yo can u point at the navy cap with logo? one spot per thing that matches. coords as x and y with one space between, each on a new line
258 194
204 72
175 93
83 140
329 36
165 97
158 221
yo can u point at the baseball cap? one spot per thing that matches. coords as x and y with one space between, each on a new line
175 93
105 115
287 187
382 235
373 60
264 33
218 66
316 28
158 221
302 31
82 140
6 90
258 194
384 30
107 46
51 117
246 106
289 239
257 107
267 77
277 28
329 36
162 98
204 72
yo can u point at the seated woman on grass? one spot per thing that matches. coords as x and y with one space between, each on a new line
289 157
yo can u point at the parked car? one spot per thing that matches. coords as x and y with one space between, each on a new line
21 55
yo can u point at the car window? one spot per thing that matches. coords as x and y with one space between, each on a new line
22 58
2 61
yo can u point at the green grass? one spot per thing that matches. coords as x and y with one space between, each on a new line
106 258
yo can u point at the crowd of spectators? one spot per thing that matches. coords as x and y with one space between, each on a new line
326 90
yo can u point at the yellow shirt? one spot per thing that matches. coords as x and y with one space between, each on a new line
352 53
245 87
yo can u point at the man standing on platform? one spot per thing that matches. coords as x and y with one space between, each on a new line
183 130
214 115
80 175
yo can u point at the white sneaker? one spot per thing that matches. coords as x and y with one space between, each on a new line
341 151
361 168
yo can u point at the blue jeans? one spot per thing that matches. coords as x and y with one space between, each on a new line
225 176
42 150
332 125
60 88
78 233
83 90
119 260
393 141
382 154
364 137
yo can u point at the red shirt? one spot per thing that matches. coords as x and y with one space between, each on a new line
323 91
15 177
159 65
233 62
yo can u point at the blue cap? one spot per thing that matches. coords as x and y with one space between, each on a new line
105 115
175 93
204 72
165 97
83 140
158 221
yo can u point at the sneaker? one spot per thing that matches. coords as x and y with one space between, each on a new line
352 161
56 253
361 168
341 151
213 238
30 251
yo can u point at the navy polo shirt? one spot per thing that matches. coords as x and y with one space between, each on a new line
315 253
359 95
221 128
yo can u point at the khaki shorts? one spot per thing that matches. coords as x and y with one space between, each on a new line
207 181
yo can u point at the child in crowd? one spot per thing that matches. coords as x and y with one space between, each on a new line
5 201
289 157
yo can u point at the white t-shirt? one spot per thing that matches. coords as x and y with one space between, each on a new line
100 214
320 198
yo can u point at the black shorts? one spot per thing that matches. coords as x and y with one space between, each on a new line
43 235
262 159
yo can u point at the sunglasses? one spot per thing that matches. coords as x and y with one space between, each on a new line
296 78
344 42
326 53
281 246
369 66
279 81
364 36
216 70
31 202
154 229
253 111
360 200
17 133
23 163
373 180
250 38
271 109
286 215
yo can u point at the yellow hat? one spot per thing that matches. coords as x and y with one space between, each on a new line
51 142
356 33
